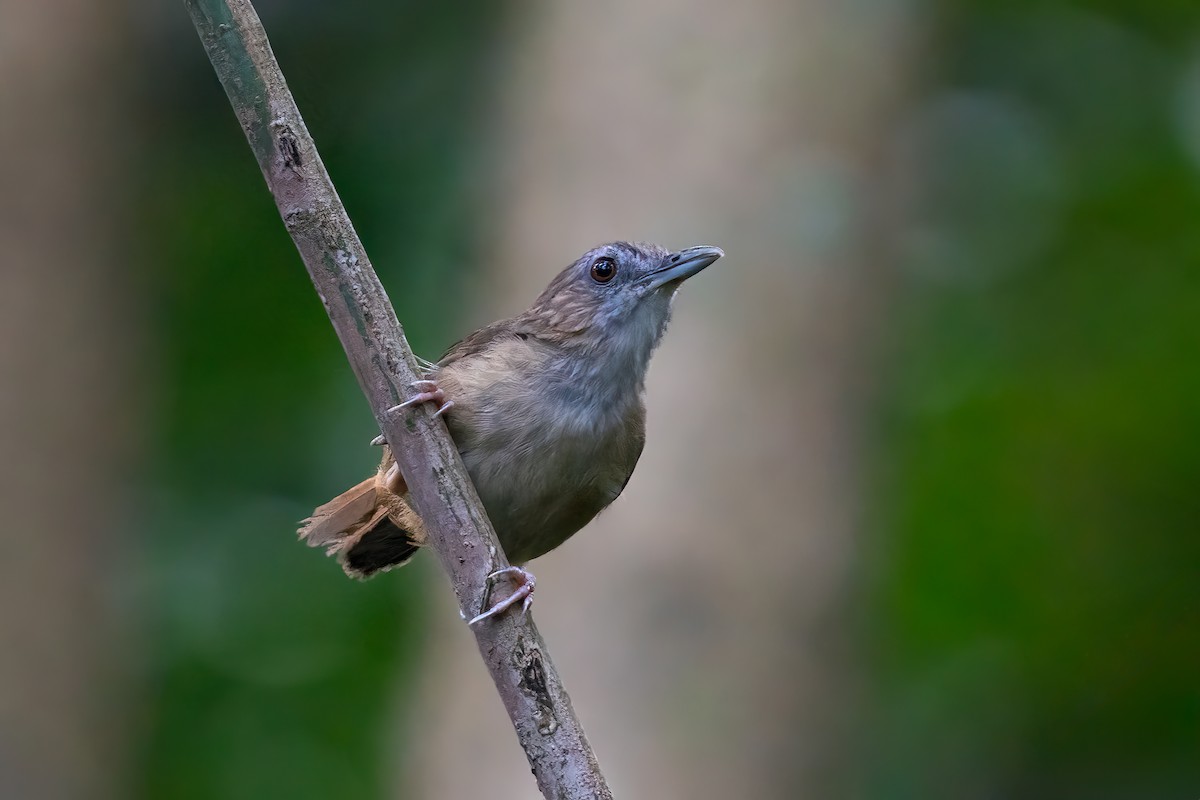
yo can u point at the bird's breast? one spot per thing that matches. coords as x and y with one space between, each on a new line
545 453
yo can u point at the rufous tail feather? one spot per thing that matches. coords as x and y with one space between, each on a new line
367 527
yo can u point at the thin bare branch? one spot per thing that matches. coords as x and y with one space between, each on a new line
363 318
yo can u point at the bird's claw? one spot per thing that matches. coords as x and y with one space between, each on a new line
523 593
428 392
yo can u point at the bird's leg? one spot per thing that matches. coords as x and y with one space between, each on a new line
427 392
524 592
430 393
394 481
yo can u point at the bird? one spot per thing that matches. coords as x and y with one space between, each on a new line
546 408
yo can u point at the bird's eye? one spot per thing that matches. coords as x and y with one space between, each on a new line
603 270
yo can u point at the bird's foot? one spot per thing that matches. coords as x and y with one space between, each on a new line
522 594
427 392
430 393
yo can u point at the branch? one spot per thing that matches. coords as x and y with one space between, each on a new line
362 316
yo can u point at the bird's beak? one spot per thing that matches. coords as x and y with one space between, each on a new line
683 264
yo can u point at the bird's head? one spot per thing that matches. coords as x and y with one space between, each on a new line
619 293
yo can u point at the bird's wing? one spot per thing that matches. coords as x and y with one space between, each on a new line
479 341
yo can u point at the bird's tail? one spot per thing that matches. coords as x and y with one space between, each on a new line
368 528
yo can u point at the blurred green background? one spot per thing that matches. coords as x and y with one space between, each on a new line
1018 604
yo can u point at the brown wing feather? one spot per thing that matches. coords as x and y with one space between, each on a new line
477 341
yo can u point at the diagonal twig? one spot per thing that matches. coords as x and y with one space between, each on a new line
362 316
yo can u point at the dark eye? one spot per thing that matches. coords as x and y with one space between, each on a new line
603 270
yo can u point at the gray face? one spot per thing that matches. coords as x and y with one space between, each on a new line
620 288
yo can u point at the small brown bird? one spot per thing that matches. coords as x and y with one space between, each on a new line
546 410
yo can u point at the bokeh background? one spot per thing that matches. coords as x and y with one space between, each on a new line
918 516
